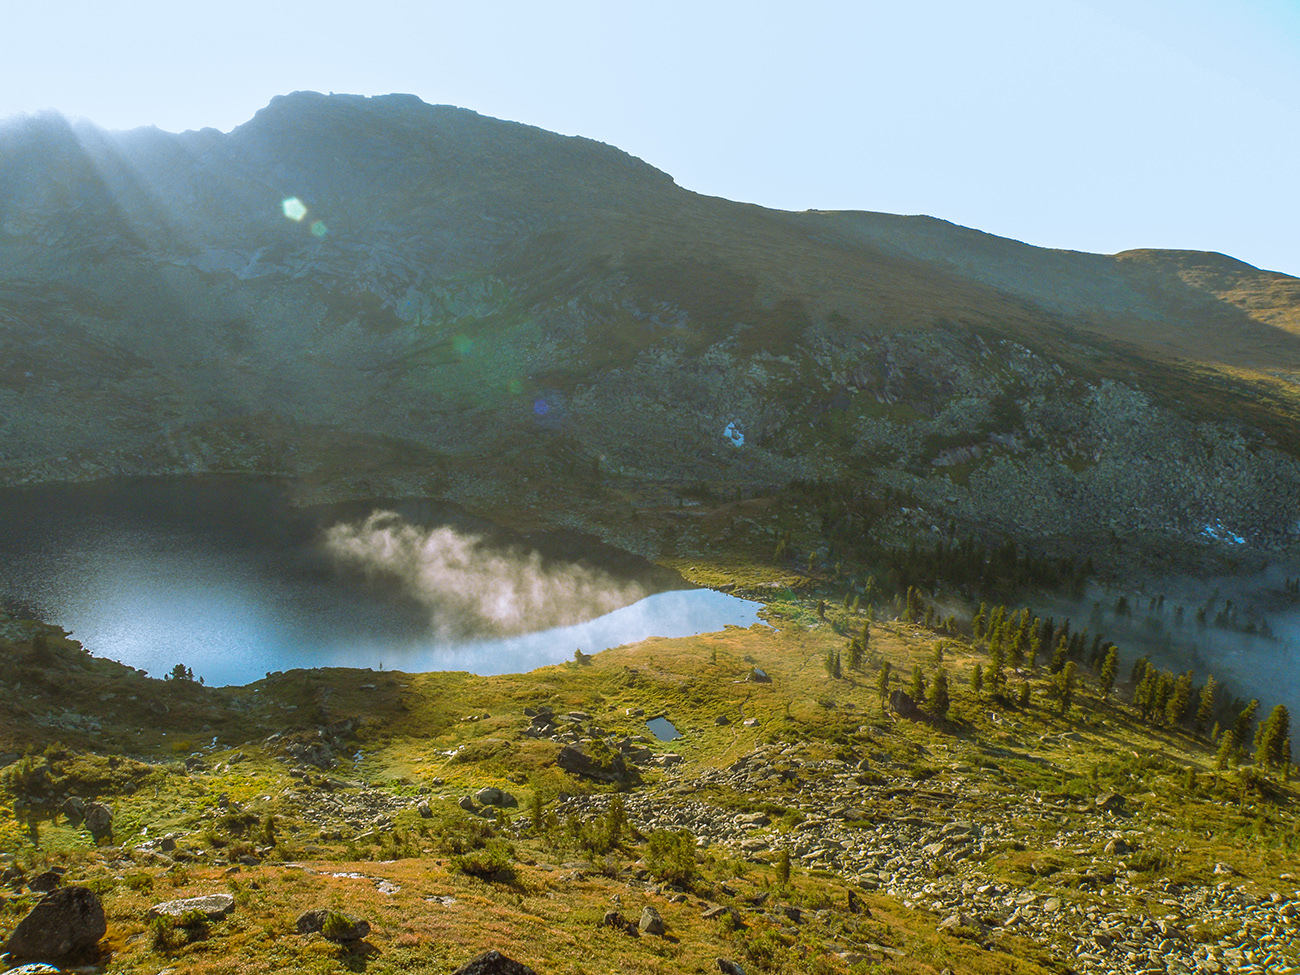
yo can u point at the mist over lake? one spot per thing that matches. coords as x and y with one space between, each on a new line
228 577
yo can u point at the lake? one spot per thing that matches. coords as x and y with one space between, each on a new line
227 576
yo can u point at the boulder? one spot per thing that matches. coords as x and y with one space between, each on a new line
577 760
213 906
424 809
493 963
901 703
728 967
489 796
651 921
74 808
99 820
759 676
342 929
65 922
45 882
615 920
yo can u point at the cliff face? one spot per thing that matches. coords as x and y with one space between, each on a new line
347 286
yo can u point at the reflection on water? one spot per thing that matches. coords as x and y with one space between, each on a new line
228 578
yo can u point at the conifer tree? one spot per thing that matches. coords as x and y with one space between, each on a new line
1109 671
1205 708
916 690
939 700
1180 700
1245 721
1270 750
1065 685
977 681
977 622
882 683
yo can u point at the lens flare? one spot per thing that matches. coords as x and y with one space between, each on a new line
318 228
541 407
462 344
294 209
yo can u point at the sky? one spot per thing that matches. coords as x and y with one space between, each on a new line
1096 125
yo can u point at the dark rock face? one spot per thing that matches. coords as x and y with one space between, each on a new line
66 922
493 963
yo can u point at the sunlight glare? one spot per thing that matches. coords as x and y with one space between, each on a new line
294 209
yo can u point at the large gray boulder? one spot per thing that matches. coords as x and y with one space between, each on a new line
64 923
213 906
493 963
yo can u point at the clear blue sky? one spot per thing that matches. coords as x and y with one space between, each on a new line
1095 125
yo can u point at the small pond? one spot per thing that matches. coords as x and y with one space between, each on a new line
663 729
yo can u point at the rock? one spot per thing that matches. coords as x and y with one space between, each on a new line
45 882
36 968
750 722
613 919
99 820
489 796
423 808
759 676
467 803
578 761
1109 802
63 923
74 808
729 967
722 910
344 928
651 921
493 963
213 906
901 703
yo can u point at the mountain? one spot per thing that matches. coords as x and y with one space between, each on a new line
380 295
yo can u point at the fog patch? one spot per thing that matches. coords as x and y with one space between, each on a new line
1243 629
471 588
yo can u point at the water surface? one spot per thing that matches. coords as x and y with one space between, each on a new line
229 578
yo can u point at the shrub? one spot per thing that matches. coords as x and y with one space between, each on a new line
492 859
670 856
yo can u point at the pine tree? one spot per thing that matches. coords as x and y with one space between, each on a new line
1180 701
916 690
1065 685
1023 699
977 622
939 700
1109 671
1035 650
1275 732
994 674
977 681
1245 721
1060 654
882 683
1227 746
1205 709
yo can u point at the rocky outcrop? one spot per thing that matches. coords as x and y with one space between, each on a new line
493 963
213 906
64 923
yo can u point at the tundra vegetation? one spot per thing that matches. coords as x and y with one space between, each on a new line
1028 810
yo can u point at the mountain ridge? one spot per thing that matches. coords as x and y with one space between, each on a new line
449 275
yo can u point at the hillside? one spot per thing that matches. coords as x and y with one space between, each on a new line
797 825
461 299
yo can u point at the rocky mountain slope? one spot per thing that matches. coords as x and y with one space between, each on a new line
380 295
